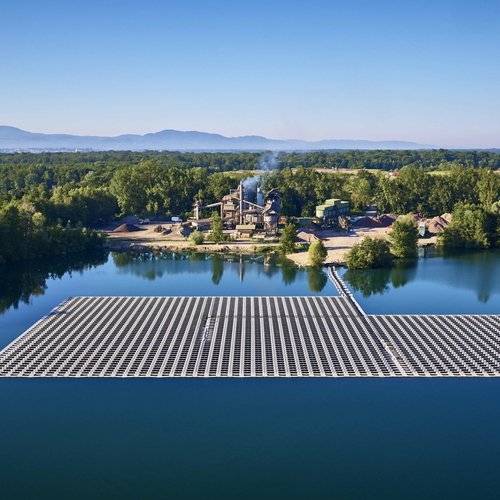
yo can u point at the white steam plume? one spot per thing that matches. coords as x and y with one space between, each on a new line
268 162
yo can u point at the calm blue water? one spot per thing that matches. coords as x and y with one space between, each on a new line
347 439
461 284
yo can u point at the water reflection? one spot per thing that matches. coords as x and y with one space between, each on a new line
316 279
21 281
476 271
376 281
479 271
289 272
369 282
153 266
427 283
218 269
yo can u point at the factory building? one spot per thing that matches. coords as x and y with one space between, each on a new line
332 208
237 211
332 212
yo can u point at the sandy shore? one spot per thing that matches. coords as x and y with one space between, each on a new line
148 238
337 244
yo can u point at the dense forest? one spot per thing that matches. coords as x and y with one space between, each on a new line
432 159
109 161
49 201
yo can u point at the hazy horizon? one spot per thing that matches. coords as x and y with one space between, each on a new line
421 72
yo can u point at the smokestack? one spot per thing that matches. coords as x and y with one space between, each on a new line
260 197
241 202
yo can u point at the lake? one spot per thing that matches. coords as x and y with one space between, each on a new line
247 438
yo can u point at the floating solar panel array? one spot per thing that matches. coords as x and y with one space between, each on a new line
248 337
434 345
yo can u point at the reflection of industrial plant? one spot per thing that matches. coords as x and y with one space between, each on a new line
239 213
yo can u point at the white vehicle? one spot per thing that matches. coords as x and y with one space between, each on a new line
175 218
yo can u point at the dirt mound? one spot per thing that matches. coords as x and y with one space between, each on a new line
126 228
387 220
366 222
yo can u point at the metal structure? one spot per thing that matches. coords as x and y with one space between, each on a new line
334 212
236 209
250 337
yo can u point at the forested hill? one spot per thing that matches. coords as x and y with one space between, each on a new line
177 140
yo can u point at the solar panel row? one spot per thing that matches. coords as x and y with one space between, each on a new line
248 337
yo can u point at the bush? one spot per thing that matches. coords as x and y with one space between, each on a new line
404 237
317 253
370 253
197 237
264 249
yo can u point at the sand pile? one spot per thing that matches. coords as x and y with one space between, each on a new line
178 232
306 237
437 224
126 228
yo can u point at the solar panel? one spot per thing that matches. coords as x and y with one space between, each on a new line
249 337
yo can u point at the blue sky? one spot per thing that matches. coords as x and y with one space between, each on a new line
420 70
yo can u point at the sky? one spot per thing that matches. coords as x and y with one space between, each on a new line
419 70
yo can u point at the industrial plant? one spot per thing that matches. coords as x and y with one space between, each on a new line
239 213
246 217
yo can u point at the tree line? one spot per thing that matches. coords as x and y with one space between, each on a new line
21 171
25 234
384 159
412 190
47 201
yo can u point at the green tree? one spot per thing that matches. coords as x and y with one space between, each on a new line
287 240
488 188
370 253
403 237
471 227
362 189
217 234
317 253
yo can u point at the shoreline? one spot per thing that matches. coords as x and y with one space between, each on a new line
335 254
125 245
337 243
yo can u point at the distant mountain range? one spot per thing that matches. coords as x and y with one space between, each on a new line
15 139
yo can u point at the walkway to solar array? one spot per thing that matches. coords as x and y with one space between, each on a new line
248 337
